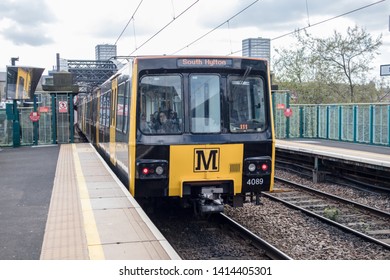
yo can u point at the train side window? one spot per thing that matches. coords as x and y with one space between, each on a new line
121 106
105 108
127 106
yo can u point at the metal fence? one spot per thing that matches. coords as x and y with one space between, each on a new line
360 123
26 125
5 129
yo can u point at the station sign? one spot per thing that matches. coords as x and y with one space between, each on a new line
288 112
43 109
385 70
34 116
63 106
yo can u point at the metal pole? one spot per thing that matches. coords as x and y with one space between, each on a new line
16 125
372 122
70 96
53 118
340 123
35 124
15 122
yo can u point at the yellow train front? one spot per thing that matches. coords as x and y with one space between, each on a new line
199 129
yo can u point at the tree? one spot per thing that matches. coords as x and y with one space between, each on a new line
329 63
348 56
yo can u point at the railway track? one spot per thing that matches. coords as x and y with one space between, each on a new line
217 237
368 178
366 222
271 251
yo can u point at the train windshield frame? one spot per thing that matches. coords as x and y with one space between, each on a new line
202 102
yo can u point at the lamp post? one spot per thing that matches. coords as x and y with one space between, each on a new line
13 59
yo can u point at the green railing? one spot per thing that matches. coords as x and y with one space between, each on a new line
359 123
54 125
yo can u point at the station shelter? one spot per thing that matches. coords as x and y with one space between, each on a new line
47 118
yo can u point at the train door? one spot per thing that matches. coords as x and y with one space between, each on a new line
114 94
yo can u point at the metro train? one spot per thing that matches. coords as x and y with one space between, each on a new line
196 129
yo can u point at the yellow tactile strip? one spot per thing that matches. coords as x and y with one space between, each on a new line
64 235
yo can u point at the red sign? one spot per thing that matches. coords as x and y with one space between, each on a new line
63 106
280 106
288 112
43 109
34 116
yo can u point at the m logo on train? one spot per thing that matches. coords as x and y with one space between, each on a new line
212 162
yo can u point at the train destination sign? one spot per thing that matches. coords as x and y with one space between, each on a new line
205 62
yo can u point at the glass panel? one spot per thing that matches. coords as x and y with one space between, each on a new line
205 104
161 104
120 112
247 110
105 109
127 106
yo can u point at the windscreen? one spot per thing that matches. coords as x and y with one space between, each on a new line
247 110
161 104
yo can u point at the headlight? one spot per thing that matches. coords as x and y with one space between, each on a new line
252 167
152 169
159 170
258 166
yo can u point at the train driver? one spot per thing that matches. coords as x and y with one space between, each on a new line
165 124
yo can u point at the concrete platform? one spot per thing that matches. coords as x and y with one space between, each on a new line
92 215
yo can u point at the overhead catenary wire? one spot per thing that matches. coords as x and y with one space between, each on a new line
127 24
329 19
228 20
307 12
215 28
318 23
169 23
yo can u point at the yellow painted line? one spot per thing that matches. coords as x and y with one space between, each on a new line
95 248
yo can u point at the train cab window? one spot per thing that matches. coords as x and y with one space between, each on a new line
246 106
161 108
205 103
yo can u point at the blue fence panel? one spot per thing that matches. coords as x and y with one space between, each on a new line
363 124
309 114
322 122
333 122
381 124
347 121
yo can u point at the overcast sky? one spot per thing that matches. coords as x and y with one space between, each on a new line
35 30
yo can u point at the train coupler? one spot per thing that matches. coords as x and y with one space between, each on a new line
210 202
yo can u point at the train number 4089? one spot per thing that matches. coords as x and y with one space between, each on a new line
255 181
